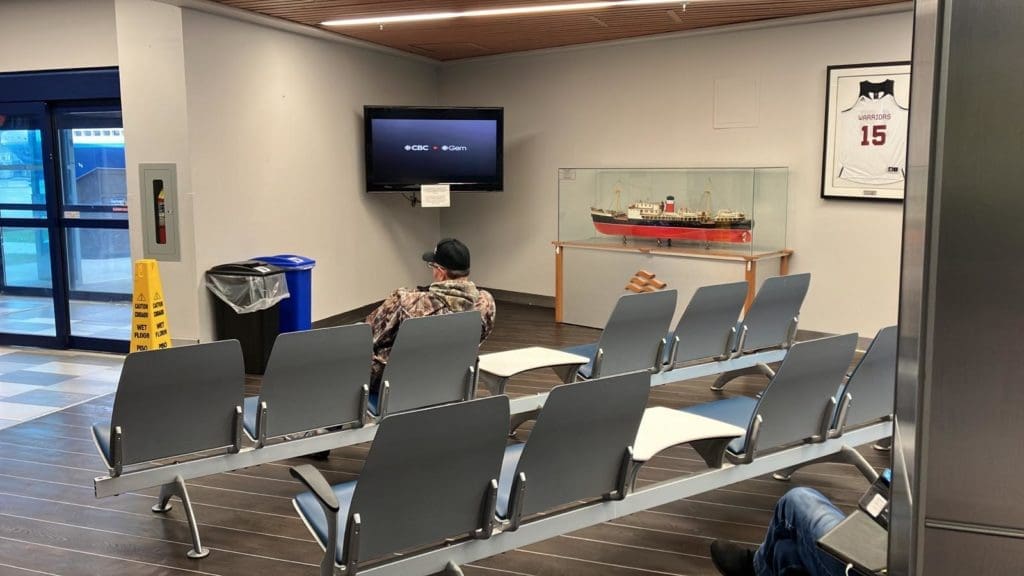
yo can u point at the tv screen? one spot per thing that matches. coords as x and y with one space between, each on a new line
407 147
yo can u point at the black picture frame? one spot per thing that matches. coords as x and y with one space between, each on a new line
865 131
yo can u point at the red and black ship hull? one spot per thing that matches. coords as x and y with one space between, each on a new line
732 233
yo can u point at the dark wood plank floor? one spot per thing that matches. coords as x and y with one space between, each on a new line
51 523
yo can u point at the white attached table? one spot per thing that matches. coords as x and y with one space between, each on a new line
496 368
663 428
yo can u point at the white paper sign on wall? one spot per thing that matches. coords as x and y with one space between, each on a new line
435 196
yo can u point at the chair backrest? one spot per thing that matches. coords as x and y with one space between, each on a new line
577 446
178 401
769 321
314 378
705 328
431 360
637 325
797 402
872 385
428 473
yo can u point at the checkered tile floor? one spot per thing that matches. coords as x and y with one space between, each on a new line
36 382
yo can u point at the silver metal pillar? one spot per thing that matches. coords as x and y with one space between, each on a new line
958 505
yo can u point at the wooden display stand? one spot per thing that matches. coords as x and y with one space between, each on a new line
749 262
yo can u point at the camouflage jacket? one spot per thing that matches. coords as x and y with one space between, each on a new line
439 298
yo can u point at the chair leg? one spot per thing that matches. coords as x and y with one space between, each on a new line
518 420
712 450
633 474
493 384
164 505
177 488
566 374
851 456
726 377
786 474
883 445
846 455
452 569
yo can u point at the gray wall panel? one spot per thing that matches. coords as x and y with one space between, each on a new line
949 553
959 402
975 452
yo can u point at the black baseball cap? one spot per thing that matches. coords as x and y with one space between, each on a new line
450 254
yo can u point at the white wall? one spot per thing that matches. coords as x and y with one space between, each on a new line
275 140
37 35
265 128
651 104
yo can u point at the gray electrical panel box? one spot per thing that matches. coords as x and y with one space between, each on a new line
159 183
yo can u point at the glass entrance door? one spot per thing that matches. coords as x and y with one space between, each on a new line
94 225
27 233
65 265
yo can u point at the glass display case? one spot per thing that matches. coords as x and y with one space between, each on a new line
732 210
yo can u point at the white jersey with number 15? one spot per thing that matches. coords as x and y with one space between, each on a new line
872 141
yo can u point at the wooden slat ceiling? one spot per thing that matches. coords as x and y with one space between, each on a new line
471 37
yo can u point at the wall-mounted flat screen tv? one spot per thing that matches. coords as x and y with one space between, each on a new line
407 147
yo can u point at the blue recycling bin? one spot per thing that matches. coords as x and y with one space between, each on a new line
297 310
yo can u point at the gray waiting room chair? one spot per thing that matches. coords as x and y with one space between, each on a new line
431 474
797 406
870 391
708 326
314 379
432 362
175 403
634 337
770 322
867 396
579 449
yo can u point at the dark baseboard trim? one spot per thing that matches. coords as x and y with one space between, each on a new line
522 298
349 317
359 314
802 334
862 342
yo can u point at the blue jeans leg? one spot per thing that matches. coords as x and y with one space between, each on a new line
801 517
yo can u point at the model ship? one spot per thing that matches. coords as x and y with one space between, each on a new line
661 221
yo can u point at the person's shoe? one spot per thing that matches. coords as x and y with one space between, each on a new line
731 559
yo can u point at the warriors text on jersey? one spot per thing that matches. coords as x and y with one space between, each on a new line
871 142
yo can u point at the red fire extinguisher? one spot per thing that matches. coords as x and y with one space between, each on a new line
161 216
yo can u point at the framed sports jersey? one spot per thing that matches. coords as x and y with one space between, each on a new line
866 118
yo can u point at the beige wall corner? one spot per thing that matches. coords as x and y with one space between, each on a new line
153 101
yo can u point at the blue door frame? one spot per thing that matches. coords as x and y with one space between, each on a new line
45 97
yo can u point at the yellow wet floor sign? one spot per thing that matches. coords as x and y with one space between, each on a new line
149 316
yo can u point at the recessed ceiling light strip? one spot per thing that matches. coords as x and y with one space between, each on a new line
538 9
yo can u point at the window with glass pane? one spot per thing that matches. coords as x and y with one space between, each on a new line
93 165
26 306
21 167
100 279
99 260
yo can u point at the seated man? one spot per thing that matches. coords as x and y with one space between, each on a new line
451 291
790 547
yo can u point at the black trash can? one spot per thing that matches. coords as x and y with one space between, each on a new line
246 307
